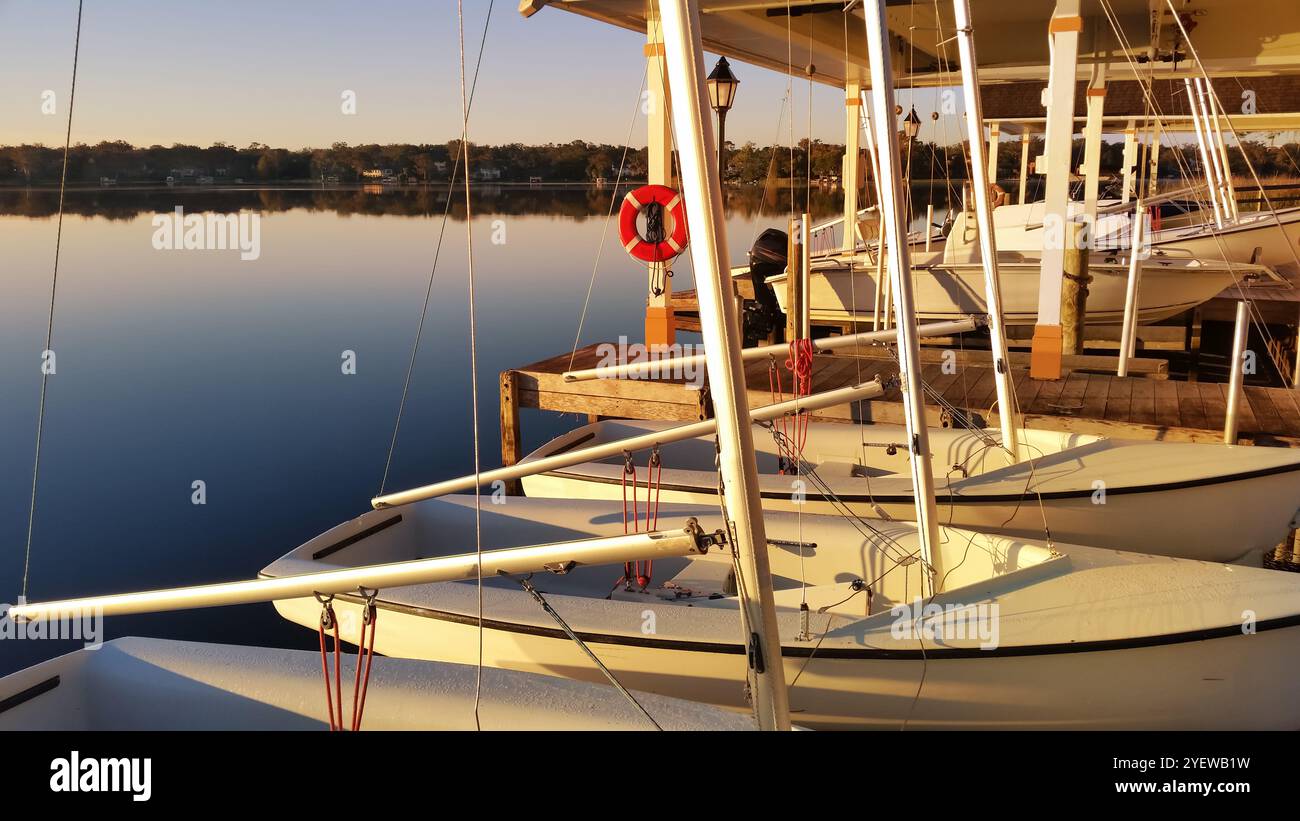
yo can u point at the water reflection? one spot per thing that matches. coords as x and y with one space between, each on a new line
578 202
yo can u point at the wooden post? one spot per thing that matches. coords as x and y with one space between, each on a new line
510 450
1074 293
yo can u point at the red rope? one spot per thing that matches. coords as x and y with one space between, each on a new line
328 619
365 655
367 649
778 395
793 432
630 569
635 571
801 352
655 469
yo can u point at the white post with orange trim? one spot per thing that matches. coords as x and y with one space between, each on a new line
660 323
852 134
1063 33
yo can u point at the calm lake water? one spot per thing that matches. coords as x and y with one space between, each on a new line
182 366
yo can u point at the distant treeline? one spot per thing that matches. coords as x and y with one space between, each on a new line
577 202
573 162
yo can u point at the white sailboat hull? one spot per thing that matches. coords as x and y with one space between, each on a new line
1255 237
1088 638
1206 502
1194 684
953 291
156 684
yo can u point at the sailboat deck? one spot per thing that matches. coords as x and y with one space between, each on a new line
1136 407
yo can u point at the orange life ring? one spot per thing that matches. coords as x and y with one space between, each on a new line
665 214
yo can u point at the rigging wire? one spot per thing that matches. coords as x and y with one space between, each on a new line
537 596
437 253
49 328
473 361
613 201
1148 93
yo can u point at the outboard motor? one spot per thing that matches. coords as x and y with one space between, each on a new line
767 257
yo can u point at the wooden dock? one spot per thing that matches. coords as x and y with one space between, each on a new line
1144 406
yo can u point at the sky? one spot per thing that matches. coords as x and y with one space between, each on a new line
274 71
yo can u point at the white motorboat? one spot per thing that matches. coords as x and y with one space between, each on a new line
949 280
1022 635
1089 489
156 684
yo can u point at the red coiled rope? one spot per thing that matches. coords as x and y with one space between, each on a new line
800 364
793 432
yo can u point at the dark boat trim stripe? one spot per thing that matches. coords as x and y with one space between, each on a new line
30 693
950 498
932 654
356 537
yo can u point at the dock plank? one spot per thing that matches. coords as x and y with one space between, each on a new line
1142 410
1190 406
1246 422
983 392
1045 397
1284 401
1119 400
1216 408
1094 397
1167 412
1266 417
